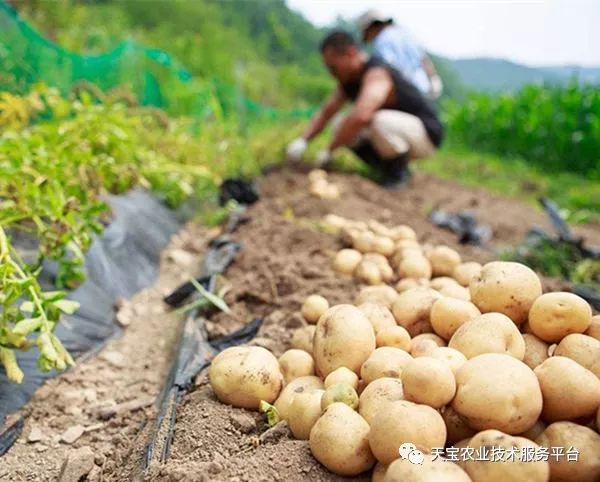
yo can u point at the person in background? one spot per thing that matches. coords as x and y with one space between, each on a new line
390 121
393 44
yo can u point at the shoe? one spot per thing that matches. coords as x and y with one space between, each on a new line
395 172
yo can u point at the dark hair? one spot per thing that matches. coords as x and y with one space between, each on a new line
339 41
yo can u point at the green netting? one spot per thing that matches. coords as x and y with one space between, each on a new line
156 79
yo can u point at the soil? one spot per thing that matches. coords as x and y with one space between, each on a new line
284 259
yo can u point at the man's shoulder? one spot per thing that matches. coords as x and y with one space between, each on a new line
392 33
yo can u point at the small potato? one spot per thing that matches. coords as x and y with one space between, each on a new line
378 472
331 191
582 439
403 421
365 242
305 410
408 243
489 333
536 351
451 357
316 174
456 427
430 468
428 381
303 338
298 385
335 221
441 282
296 363
384 362
376 394
339 423
556 315
368 272
346 261
342 375
243 376
438 340
443 260
403 232
506 287
448 314
412 309
386 271
386 295
584 349
394 336
502 382
378 228
465 272
570 391
456 291
383 245
422 347
379 315
348 235
409 283
313 307
594 328
417 267
340 393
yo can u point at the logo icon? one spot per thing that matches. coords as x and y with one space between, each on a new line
409 451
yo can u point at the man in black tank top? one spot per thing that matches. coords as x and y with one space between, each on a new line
390 123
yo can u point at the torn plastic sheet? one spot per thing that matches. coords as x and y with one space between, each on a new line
464 224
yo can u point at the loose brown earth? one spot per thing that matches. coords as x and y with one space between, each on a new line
284 259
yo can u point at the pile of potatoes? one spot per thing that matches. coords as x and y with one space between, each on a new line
454 354
321 187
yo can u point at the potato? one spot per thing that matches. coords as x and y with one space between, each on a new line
570 391
348 235
303 338
465 272
386 271
386 295
422 347
317 174
582 439
403 232
536 351
377 394
428 381
412 309
451 357
379 315
364 242
448 314
346 261
502 382
457 428
443 260
296 363
378 228
383 245
394 336
298 385
403 421
379 472
556 315
594 328
507 467
489 333
339 441
342 393
430 469
455 291
243 376
535 431
384 362
313 307
342 375
344 338
584 349
335 221
409 283
441 282
417 267
305 410
506 287
331 191
368 272
438 340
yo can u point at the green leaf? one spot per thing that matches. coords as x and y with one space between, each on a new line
271 412
27 307
67 306
214 299
27 326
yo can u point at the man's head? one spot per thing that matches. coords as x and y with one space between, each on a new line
372 22
342 56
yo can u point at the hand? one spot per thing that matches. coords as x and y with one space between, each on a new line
436 87
323 158
295 150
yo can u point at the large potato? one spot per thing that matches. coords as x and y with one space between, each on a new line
594 328
584 349
585 441
417 267
428 381
489 333
412 309
346 261
384 362
313 307
465 272
497 391
243 376
394 336
342 375
386 295
298 385
443 260
451 357
302 338
448 314
401 422
296 363
536 350
379 315
510 465
431 469
339 440
344 338
556 315
506 287
456 426
570 391
377 394
305 410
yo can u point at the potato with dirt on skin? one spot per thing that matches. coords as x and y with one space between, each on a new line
594 328
556 315
401 421
438 340
417 267
443 260
457 428
394 336
451 357
346 261
384 362
377 394
584 349
379 315
313 307
423 347
536 350
570 391
386 295
298 385
448 314
465 272
428 381
431 469
409 283
342 375
582 439
368 272
340 393
412 310
303 338
344 338
339 440
296 363
305 410
243 376
506 287
497 391
488 333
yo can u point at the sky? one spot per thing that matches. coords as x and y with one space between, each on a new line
532 32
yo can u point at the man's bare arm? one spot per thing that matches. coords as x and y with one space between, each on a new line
332 105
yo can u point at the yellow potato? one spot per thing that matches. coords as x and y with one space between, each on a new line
386 295
556 315
409 283
536 350
348 235
313 307
594 328
394 336
378 228
502 382
335 221
386 271
384 362
342 375
417 267
570 391
443 260
383 245
465 272
243 376
448 314
368 272
412 309
317 174
432 469
364 242
441 282
305 410
423 347
303 338
298 385
456 291
339 441
346 261
342 393
451 357
379 315
344 338
506 287
456 426
428 381
296 363
402 232
377 394
489 333
584 349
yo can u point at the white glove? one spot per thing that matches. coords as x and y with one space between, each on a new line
295 150
323 158
436 87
